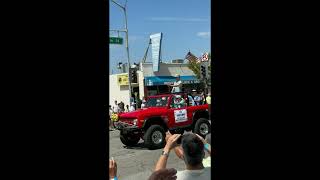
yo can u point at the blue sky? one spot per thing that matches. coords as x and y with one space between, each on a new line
185 25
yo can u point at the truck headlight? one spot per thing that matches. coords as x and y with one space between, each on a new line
135 122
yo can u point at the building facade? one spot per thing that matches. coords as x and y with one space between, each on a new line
151 83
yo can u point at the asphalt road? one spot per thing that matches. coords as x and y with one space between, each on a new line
137 162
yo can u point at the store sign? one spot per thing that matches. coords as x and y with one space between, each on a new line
123 80
168 83
169 80
191 82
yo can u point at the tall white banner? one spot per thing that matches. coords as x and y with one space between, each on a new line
156 50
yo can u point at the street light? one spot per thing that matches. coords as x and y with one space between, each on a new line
127 40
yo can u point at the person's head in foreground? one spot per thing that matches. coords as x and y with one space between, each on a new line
193 151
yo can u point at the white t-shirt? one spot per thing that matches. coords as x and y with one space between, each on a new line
202 174
178 88
116 109
131 109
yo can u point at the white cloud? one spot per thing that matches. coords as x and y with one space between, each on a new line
176 19
204 34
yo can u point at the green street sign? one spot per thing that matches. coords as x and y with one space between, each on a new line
115 40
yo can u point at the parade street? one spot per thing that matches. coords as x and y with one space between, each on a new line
137 162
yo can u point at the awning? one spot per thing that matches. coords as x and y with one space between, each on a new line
165 80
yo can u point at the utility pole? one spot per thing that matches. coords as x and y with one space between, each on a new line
127 42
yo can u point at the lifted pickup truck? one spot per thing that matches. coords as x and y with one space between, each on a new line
162 113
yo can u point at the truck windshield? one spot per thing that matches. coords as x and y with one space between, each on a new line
157 102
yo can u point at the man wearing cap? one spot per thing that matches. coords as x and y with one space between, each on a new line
177 85
179 102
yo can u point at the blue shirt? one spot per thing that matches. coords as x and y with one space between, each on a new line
197 100
191 101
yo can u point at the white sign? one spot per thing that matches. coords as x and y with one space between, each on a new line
156 50
180 115
205 57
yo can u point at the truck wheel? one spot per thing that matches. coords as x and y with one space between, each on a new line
155 137
202 127
129 140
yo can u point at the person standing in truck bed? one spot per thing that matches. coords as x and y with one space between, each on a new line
177 85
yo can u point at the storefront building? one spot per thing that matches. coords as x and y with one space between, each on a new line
152 83
157 82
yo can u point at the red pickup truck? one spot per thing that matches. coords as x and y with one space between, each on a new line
170 112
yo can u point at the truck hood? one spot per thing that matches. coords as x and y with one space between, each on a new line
146 112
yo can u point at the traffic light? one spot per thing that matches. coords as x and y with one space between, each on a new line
133 75
203 71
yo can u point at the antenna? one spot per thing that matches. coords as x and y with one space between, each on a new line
161 47
146 53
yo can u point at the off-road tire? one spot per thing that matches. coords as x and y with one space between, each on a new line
149 143
200 130
129 140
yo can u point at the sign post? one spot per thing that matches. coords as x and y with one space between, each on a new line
124 8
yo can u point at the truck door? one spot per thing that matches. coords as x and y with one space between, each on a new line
178 113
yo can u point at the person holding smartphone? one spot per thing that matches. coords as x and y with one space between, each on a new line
193 147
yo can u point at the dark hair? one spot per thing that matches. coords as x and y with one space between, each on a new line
193 149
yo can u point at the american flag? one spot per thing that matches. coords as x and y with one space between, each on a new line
192 58
199 59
